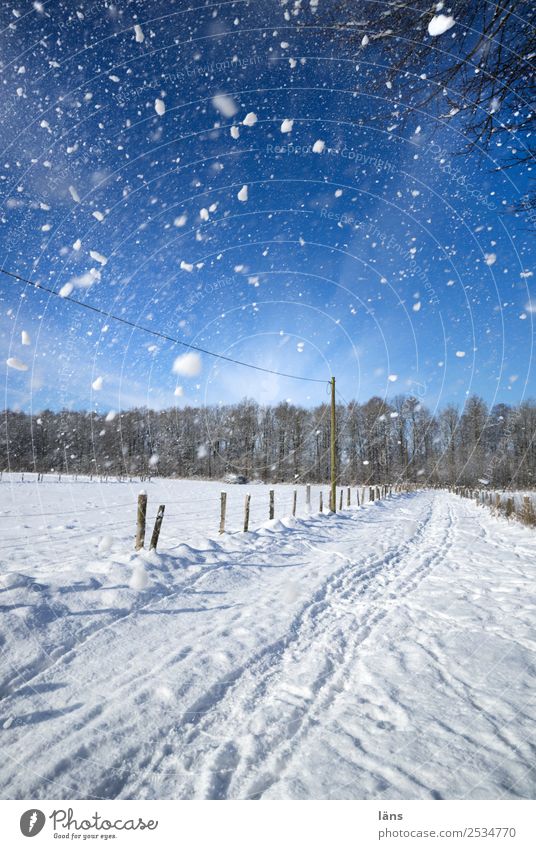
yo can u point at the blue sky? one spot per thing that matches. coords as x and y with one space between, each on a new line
379 256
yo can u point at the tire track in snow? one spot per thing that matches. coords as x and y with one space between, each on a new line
65 653
279 758
218 691
94 718
267 679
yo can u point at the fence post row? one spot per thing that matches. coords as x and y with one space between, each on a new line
495 501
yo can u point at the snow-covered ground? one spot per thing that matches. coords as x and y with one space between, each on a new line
386 652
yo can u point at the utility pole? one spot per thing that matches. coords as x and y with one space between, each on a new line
333 492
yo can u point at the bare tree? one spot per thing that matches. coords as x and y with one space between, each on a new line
478 74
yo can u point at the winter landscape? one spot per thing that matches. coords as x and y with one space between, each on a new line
386 652
268 440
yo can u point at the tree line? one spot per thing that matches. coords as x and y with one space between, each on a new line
377 442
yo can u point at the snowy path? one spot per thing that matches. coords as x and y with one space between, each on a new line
383 653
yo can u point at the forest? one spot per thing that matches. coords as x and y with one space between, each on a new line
377 441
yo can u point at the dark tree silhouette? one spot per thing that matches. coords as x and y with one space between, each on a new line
478 75
378 442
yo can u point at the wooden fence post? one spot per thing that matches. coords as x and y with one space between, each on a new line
246 512
223 507
321 503
528 511
362 495
340 500
272 504
308 497
357 494
140 520
157 526
348 497
294 501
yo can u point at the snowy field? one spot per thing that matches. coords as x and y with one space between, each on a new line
54 517
387 652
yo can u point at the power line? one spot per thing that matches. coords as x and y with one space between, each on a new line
157 333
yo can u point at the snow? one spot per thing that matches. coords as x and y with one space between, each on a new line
97 384
319 146
139 33
15 363
85 280
225 104
287 125
382 653
25 337
235 132
66 290
139 579
440 24
159 106
250 119
188 365
98 257
243 193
